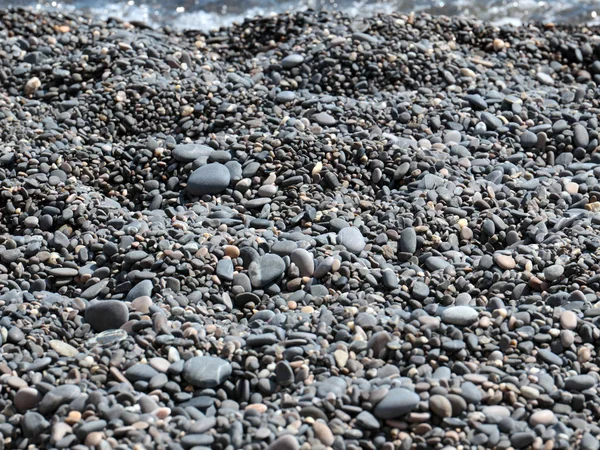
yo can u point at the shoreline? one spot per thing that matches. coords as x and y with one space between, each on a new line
300 232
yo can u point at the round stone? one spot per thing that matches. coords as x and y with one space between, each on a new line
528 139
285 442
542 417
352 239
440 406
209 179
568 320
266 270
106 314
554 272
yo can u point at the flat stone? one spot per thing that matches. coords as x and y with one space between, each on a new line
187 153
434 263
334 385
140 372
396 403
63 349
324 119
143 288
225 269
206 371
528 139
460 315
323 433
580 382
291 61
505 262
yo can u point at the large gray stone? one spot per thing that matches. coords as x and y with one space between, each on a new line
206 371
396 403
209 179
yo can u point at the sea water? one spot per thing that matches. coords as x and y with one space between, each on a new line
209 14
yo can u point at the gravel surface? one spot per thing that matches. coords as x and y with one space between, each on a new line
301 232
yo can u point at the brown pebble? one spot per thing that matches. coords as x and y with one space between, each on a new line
232 251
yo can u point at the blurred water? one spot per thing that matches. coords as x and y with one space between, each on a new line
208 14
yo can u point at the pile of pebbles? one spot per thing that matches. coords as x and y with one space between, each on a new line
302 232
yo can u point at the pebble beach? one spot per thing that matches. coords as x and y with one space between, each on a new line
300 232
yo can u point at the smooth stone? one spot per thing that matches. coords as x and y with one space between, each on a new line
542 417
581 138
26 399
367 421
140 372
440 406
187 153
352 239
434 263
206 371
285 442
106 314
408 241
266 270
568 320
334 385
505 262
522 439
63 349
460 315
452 136
549 357
143 288
324 433
554 272
58 396
304 260
284 374
285 97
420 290
209 179
528 139
544 78
580 382
33 424
225 269
396 403
291 61
324 119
